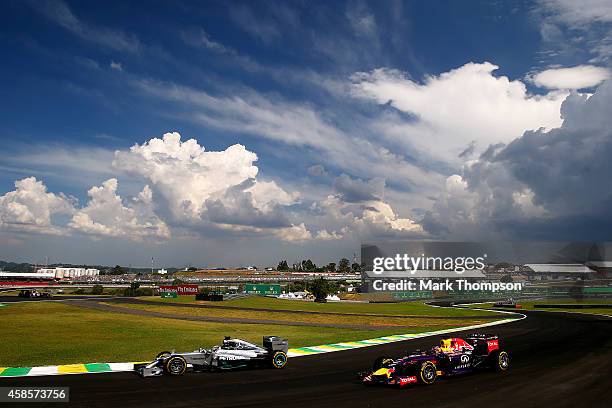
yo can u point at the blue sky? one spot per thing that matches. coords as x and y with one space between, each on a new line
356 121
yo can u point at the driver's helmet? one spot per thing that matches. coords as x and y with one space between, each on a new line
446 346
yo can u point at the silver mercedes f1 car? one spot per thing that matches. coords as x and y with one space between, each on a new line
232 353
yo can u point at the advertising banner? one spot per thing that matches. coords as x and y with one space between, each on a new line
180 289
259 289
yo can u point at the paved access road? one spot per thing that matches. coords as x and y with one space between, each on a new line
558 360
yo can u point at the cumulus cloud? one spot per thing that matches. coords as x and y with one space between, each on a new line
202 188
106 215
294 233
324 235
358 208
30 208
581 76
450 111
544 184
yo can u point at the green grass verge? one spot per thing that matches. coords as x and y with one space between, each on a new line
403 308
325 318
43 333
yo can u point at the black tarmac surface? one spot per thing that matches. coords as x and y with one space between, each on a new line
558 360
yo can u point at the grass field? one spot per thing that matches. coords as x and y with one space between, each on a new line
325 318
529 305
404 308
40 333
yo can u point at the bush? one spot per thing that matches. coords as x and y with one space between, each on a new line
79 291
132 290
97 290
144 292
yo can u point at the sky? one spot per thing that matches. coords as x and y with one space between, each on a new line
229 133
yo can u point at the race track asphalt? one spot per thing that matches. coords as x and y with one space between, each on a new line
558 360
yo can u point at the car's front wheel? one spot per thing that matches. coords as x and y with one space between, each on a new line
176 365
427 373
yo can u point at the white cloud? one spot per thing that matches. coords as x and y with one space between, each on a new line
580 12
324 235
454 109
30 208
578 77
211 189
187 175
294 233
576 28
107 215
117 66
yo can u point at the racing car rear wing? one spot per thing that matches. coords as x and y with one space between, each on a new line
275 343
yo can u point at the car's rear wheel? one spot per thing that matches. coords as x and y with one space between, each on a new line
427 373
279 359
176 365
382 361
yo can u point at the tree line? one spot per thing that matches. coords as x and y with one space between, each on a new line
343 266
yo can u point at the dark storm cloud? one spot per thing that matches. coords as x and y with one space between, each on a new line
544 185
356 190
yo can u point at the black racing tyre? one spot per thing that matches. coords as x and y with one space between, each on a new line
164 354
382 361
176 365
500 360
279 359
427 373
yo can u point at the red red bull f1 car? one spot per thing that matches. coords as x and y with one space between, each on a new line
454 356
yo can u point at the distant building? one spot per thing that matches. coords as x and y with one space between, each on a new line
69 273
162 271
558 271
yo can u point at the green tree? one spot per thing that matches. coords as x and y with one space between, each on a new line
97 290
117 270
132 290
344 266
320 289
282 266
178 281
331 267
297 286
308 265
506 279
